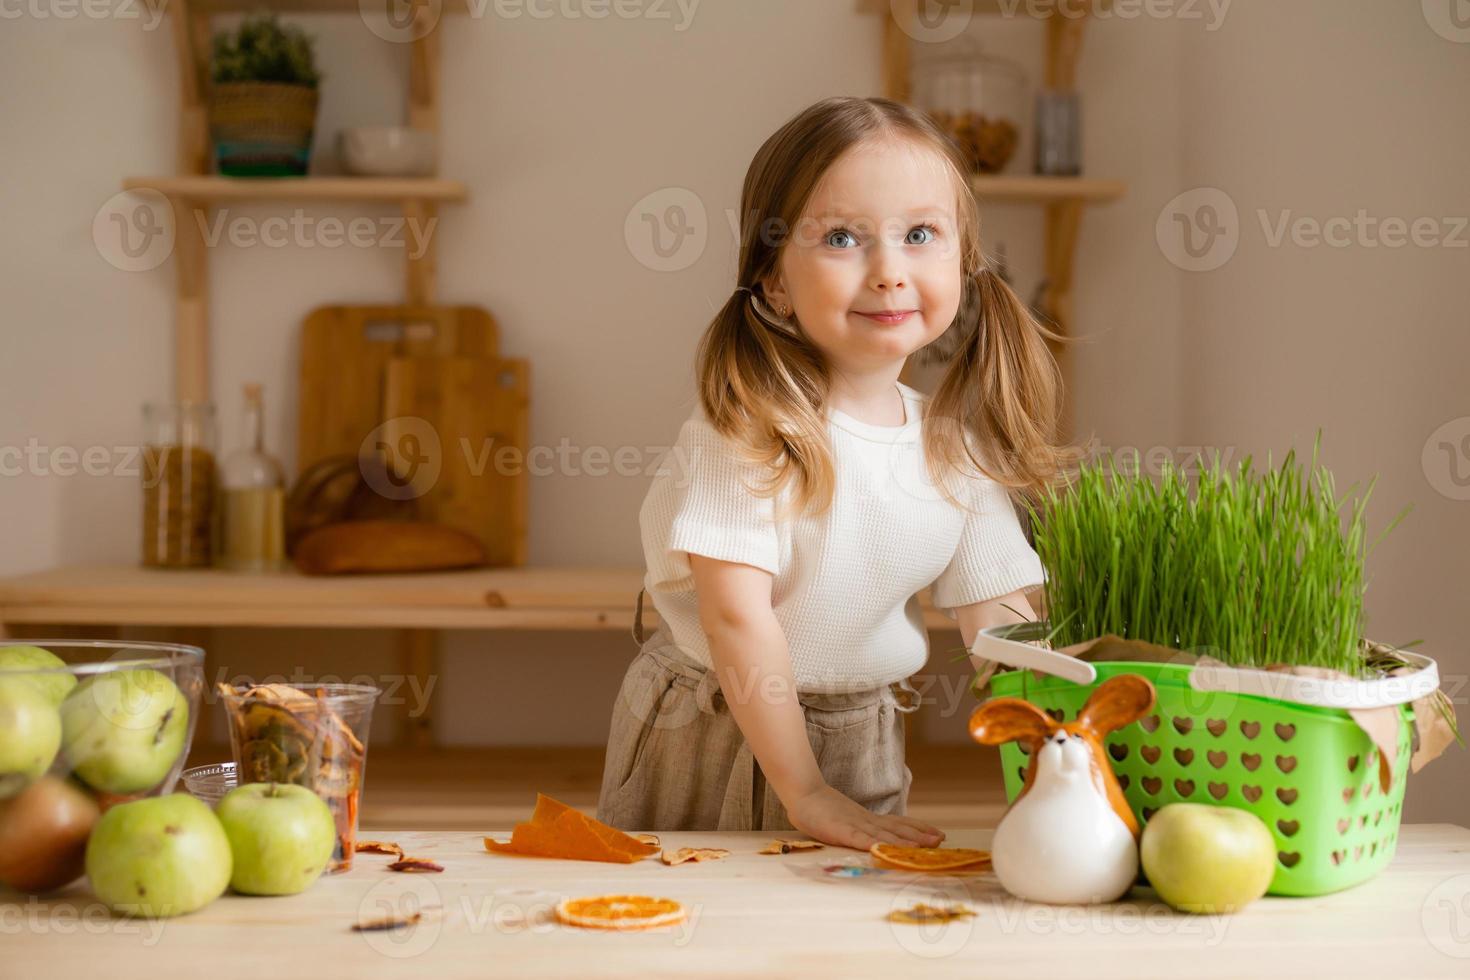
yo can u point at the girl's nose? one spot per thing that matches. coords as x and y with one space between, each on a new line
885 281
886 272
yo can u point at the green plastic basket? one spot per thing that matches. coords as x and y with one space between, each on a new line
1309 772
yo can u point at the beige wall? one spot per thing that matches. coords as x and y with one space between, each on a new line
560 127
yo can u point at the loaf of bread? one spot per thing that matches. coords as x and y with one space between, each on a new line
386 546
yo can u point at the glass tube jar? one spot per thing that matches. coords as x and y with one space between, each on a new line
179 484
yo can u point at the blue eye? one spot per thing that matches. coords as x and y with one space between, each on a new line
929 229
840 233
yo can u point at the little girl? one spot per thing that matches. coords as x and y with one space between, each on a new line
811 495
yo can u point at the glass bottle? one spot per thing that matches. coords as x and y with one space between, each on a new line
179 484
253 519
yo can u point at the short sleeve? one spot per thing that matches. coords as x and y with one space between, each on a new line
993 558
703 502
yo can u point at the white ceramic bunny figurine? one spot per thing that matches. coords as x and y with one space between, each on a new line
1070 837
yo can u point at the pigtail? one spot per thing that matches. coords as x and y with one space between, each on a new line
760 381
1003 391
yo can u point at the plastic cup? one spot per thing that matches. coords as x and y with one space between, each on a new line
312 735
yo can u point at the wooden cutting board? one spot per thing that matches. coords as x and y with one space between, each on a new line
457 431
345 352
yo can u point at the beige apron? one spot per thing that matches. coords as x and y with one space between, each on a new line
676 759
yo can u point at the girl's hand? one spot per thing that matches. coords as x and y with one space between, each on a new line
832 818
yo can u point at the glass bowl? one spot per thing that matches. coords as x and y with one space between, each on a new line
210 783
85 725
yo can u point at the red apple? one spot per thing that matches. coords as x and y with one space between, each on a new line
43 835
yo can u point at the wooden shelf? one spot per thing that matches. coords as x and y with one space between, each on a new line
526 597
216 188
1046 190
1035 9
304 6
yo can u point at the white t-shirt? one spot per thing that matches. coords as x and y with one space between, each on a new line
845 584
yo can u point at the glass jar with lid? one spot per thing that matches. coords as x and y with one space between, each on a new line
978 99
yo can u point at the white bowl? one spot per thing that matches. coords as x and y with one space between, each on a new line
387 151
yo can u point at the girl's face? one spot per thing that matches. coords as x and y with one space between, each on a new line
879 236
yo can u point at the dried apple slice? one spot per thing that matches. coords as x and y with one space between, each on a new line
783 846
415 864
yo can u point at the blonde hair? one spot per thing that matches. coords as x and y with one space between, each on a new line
765 385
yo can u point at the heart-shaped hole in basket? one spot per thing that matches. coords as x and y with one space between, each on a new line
1288 827
1217 758
1286 795
1150 753
1250 760
1250 729
1289 858
1152 785
1218 790
1286 763
1251 793
1149 724
1285 731
1184 756
1118 751
1215 726
1184 787
1184 725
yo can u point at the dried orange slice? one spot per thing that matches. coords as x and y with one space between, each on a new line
930 858
621 912
556 830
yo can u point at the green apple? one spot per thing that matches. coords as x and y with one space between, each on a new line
57 682
122 731
30 734
1207 859
163 856
281 837
43 835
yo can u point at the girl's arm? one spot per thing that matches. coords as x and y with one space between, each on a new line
992 612
753 665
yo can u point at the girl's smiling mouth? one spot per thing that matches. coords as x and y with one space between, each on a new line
887 317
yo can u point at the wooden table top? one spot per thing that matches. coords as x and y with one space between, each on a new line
771 915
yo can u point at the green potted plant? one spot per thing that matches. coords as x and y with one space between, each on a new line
1239 595
263 98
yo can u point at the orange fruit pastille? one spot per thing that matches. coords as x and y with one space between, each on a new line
556 830
620 912
929 858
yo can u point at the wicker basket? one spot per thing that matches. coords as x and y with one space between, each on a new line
1275 744
262 129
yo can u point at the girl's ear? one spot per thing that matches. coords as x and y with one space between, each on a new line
1117 701
775 293
1001 720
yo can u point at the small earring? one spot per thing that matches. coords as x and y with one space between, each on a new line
783 310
